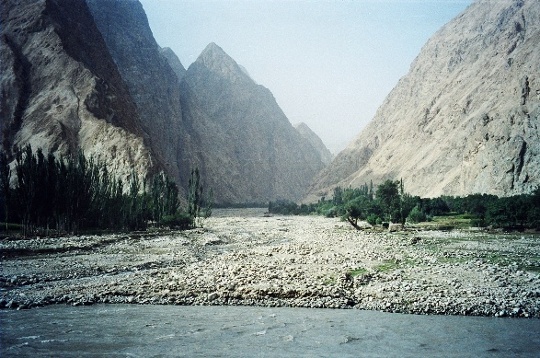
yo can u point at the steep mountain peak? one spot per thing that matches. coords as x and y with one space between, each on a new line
251 151
215 59
466 117
174 62
213 48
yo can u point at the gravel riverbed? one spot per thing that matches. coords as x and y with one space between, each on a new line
242 257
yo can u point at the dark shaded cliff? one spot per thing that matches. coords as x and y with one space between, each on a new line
61 90
150 79
89 75
316 142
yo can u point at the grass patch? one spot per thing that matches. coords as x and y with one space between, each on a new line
530 268
497 258
358 272
387 265
452 259
448 222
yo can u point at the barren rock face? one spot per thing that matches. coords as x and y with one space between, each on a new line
89 75
60 88
174 62
149 78
465 118
316 142
249 151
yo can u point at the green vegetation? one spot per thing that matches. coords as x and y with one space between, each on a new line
47 194
358 272
386 266
390 203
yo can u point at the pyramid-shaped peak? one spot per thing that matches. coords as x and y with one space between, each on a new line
212 47
213 54
216 60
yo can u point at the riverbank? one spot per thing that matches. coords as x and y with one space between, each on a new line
242 257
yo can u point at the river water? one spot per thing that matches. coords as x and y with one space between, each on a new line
187 331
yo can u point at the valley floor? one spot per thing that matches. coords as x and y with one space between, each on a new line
242 257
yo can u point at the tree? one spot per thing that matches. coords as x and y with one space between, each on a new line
5 178
389 199
26 185
337 199
195 191
416 215
360 208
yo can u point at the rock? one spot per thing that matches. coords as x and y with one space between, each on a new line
12 304
67 88
316 142
267 158
62 89
461 121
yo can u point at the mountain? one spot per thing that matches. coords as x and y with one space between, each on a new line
151 81
248 148
174 62
465 118
89 75
61 90
316 142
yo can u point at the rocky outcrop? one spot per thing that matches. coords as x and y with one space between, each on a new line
465 118
249 151
89 75
150 79
174 62
316 142
61 90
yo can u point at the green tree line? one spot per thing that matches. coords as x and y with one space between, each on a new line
45 193
390 203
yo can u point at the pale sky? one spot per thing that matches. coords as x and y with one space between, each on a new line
329 63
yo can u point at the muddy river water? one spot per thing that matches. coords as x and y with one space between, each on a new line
195 331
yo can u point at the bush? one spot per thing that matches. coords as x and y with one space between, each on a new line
416 215
180 220
331 213
373 219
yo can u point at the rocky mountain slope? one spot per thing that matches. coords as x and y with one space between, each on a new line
174 62
61 90
465 118
150 79
89 75
248 148
316 142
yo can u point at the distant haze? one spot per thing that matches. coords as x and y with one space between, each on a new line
329 64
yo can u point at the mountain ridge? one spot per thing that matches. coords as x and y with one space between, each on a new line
315 141
89 75
269 159
463 120
65 101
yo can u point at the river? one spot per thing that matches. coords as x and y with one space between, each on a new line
195 331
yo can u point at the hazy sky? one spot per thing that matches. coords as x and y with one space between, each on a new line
328 63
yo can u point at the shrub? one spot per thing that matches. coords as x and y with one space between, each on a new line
373 219
416 215
180 220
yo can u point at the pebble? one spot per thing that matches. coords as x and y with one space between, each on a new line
308 266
